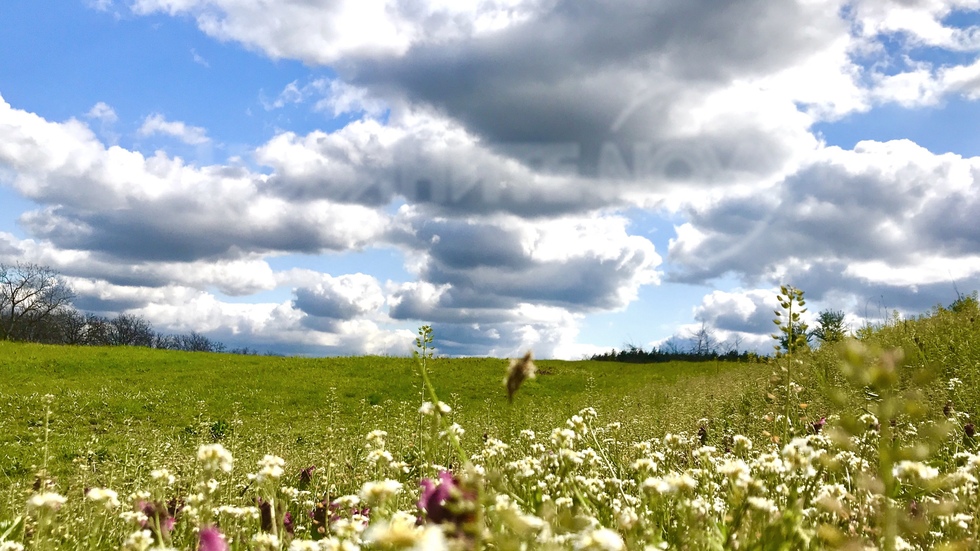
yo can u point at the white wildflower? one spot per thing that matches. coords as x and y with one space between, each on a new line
140 540
399 532
763 504
906 470
270 468
264 541
107 497
600 539
215 457
377 492
46 500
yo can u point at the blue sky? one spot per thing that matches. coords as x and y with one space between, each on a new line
569 177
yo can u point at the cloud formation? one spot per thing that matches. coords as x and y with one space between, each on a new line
158 124
501 149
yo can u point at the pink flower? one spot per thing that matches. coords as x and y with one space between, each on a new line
211 540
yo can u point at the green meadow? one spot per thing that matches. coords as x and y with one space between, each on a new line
118 399
868 443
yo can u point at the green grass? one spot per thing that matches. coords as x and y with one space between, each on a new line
109 401
666 459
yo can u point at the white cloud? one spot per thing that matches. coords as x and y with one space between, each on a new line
324 34
333 97
121 203
102 112
341 298
512 163
883 219
199 59
158 124
920 20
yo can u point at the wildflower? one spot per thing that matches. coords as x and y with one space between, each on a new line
427 408
306 476
816 427
444 408
265 542
376 438
737 471
139 540
211 539
577 424
158 519
47 500
969 429
215 457
270 468
763 504
446 502
164 475
517 372
11 546
399 532
103 495
600 539
377 492
741 444
914 469
455 429
265 514
304 545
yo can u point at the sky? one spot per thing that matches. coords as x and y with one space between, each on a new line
322 177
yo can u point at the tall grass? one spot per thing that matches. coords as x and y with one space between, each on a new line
866 446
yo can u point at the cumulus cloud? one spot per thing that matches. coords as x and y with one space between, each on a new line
885 218
514 132
324 34
119 203
103 112
333 97
340 298
158 124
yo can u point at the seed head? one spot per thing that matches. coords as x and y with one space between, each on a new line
518 372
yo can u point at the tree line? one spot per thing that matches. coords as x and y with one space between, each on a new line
702 345
36 306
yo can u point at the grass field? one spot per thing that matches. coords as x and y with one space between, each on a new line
797 453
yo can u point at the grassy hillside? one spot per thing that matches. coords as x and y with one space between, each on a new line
867 444
108 400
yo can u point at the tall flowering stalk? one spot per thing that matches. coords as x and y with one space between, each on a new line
792 337
452 433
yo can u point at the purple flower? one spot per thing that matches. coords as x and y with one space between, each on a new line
158 519
287 523
211 540
306 476
446 502
818 426
265 515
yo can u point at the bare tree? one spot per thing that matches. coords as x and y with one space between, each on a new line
703 342
29 295
130 330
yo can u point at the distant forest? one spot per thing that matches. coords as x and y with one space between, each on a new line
36 306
